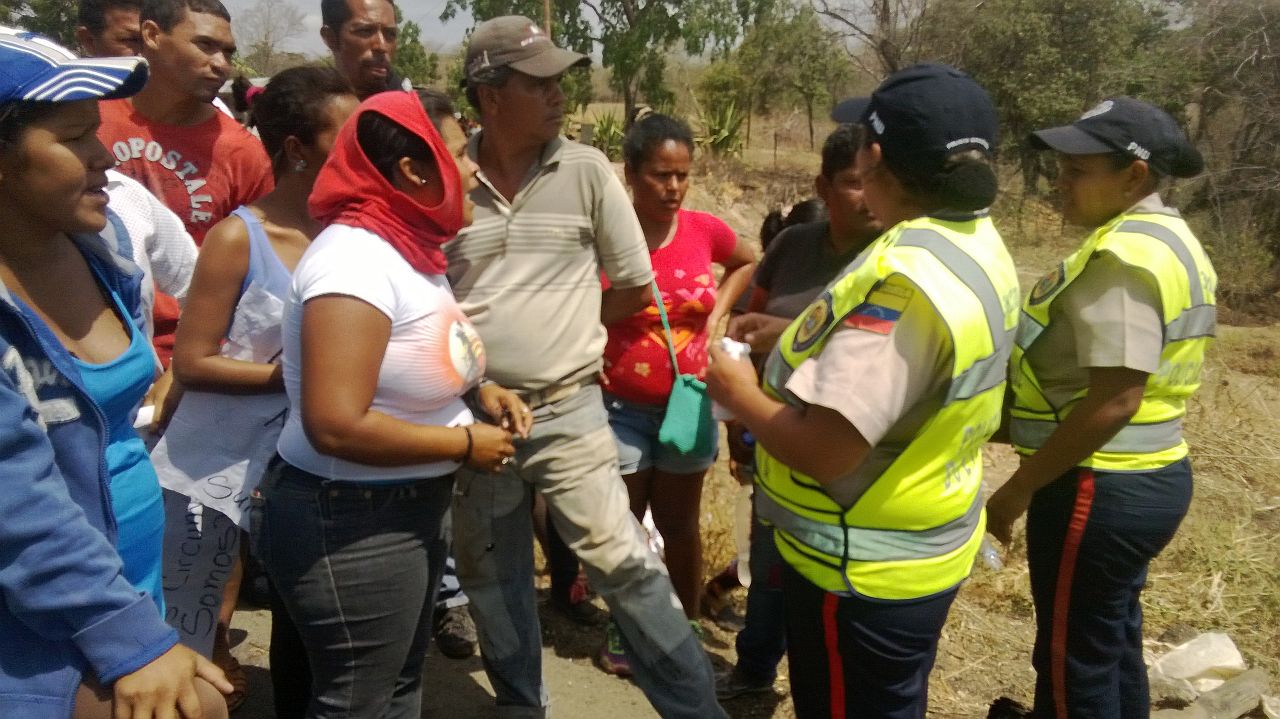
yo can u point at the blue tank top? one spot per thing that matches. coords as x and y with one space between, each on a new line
117 387
265 266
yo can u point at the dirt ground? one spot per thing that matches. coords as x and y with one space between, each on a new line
457 689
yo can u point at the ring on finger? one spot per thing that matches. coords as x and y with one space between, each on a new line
505 461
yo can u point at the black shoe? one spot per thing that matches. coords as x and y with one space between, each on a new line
581 612
736 683
455 632
1006 708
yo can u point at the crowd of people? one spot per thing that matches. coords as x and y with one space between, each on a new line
402 350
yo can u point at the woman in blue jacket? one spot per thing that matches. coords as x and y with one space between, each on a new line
79 561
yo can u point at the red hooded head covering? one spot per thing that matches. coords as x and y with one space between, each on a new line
350 191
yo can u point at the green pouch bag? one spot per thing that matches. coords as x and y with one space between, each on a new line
687 426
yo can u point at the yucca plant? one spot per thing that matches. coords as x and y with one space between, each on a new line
721 131
608 135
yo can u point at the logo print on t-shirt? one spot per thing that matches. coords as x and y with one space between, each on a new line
466 352
184 171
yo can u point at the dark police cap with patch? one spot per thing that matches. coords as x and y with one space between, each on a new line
1127 126
922 115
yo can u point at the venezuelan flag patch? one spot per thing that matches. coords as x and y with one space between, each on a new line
881 310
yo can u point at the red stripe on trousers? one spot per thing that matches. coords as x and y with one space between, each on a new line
1062 594
835 663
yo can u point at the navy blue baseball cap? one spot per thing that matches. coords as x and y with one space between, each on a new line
34 68
922 115
1130 127
851 110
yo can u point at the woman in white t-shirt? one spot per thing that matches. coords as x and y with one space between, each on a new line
377 360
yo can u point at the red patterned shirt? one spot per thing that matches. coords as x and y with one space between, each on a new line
637 363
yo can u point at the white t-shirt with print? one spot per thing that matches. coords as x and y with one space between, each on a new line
433 356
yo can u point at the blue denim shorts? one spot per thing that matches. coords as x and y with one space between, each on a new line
635 430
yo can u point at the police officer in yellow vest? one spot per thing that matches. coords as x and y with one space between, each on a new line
876 402
1110 346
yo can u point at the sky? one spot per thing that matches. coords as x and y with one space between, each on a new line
435 34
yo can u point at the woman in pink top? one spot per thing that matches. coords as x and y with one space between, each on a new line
683 244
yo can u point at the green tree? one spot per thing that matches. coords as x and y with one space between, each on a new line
635 36
1236 103
54 18
807 64
812 60
1045 61
412 59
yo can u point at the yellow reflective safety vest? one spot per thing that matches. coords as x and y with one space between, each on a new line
1161 245
915 531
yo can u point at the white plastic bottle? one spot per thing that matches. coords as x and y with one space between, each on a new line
737 350
742 532
990 555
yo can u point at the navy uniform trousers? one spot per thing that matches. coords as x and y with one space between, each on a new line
1090 536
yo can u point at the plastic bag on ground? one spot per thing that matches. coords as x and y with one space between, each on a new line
1206 662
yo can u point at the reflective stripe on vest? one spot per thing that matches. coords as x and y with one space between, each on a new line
915 528
991 370
1154 436
1175 243
1131 439
861 544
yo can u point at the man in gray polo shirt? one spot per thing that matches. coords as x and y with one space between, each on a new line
549 215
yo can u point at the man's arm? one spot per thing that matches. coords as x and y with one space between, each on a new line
620 245
171 250
619 303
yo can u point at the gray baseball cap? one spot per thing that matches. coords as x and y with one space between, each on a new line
517 42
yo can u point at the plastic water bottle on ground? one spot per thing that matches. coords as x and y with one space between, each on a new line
990 555
742 532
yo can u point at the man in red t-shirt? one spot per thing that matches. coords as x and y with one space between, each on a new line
170 137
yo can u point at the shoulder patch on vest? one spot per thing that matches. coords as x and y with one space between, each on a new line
815 321
1048 284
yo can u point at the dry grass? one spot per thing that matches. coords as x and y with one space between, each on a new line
1219 574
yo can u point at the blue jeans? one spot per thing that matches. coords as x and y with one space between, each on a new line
571 459
635 428
357 566
763 639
